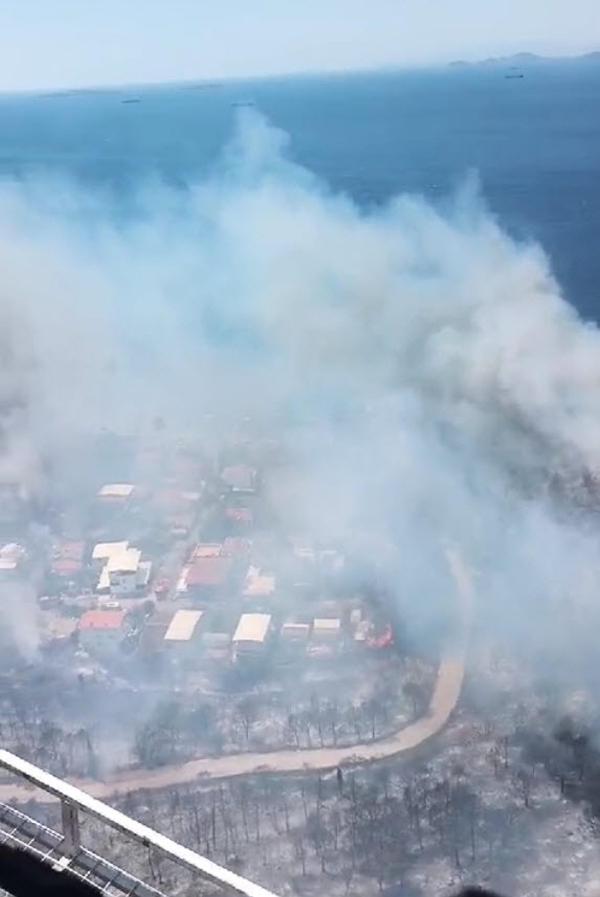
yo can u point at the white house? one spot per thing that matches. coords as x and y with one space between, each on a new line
251 634
122 570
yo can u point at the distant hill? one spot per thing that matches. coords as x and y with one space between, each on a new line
517 59
521 60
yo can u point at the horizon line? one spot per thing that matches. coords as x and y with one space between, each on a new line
215 81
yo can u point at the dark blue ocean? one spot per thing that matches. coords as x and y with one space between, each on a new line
535 142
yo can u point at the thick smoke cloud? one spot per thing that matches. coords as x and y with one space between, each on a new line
438 384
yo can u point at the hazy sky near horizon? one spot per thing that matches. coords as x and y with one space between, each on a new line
74 43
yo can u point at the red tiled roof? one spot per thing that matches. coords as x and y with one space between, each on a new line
102 619
210 571
67 558
72 550
66 567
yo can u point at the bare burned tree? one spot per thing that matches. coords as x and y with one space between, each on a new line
247 711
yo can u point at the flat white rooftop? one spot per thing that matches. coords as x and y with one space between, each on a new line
104 550
252 628
326 624
116 490
125 561
183 625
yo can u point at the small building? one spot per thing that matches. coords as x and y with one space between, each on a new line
251 634
206 550
123 572
183 626
258 584
355 616
67 559
8 567
103 584
103 551
143 575
116 492
12 561
181 586
101 630
207 577
295 633
326 629
361 632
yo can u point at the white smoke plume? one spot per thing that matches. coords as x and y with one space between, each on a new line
443 381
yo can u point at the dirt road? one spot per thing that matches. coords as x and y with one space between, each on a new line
444 698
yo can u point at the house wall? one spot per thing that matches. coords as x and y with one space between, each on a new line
123 583
249 647
100 640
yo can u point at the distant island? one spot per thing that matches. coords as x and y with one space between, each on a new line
519 60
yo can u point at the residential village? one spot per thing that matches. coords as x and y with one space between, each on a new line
182 584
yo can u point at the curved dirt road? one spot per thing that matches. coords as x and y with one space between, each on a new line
444 698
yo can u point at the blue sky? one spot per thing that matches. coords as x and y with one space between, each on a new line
62 43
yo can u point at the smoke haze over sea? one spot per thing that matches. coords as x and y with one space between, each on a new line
441 384
533 142
391 283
